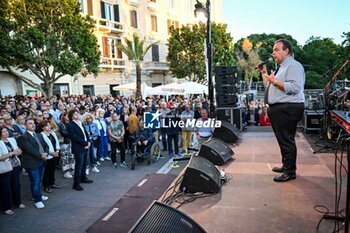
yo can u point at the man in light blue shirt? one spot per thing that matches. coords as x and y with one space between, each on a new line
285 97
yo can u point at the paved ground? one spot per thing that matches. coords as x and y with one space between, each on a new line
68 210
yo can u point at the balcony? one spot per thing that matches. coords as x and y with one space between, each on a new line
152 6
155 66
108 26
112 63
134 2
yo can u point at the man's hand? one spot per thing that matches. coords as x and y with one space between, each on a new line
139 143
43 156
145 142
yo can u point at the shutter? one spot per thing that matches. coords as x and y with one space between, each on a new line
135 19
103 13
89 7
116 13
131 19
105 47
169 25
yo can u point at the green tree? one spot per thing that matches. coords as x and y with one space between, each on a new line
47 38
186 50
265 42
135 52
320 56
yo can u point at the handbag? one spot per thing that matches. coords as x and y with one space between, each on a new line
5 166
15 162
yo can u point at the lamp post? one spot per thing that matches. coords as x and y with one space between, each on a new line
202 13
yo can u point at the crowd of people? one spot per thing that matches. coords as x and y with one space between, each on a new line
78 133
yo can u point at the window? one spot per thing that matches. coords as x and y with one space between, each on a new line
154 23
107 11
155 52
81 2
110 49
172 23
88 89
171 3
133 18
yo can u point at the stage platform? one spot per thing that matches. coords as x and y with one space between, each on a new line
252 202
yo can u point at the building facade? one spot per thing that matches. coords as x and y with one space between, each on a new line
116 20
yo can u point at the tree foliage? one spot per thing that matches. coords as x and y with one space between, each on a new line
48 38
265 42
247 58
186 50
135 52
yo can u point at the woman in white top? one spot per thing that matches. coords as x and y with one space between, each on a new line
50 138
10 186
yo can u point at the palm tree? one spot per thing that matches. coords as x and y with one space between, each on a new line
135 53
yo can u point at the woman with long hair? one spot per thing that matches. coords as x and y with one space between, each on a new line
51 140
10 185
67 158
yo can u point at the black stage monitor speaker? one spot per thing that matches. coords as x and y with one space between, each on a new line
227 132
161 218
216 151
201 176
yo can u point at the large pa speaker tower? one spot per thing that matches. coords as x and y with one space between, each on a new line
225 85
161 218
202 176
227 132
216 151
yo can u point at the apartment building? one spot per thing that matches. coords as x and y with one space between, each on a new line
116 20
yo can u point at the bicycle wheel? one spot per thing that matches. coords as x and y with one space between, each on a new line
155 152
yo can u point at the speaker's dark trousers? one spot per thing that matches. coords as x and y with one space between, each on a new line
80 166
284 119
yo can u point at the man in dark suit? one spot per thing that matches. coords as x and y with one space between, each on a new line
34 157
80 145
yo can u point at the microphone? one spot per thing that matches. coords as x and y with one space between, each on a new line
264 63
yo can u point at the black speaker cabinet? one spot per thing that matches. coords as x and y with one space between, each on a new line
232 115
161 218
225 80
224 70
216 151
226 89
202 176
227 132
226 100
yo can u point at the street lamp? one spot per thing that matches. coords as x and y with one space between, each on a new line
202 13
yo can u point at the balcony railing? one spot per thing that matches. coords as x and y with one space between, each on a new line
152 6
109 25
155 65
134 2
112 63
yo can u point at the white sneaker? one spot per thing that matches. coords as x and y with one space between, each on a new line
67 175
98 163
44 198
87 171
108 158
39 205
102 159
95 169
115 165
123 164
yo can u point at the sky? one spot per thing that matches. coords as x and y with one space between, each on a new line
299 18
